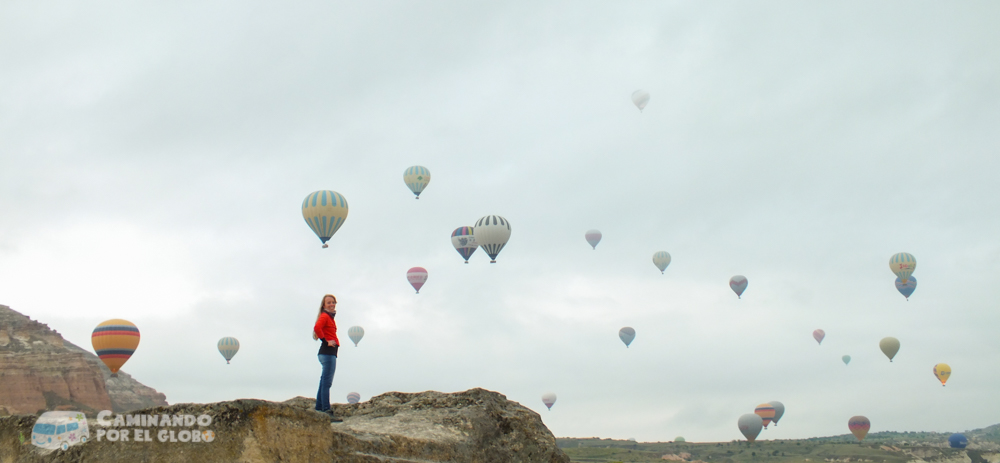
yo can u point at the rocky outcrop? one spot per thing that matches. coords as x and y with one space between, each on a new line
39 370
472 426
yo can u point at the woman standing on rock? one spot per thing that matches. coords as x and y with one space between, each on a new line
326 331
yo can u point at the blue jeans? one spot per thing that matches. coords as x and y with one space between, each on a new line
329 363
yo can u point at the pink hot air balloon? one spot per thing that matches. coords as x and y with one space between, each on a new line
417 276
818 335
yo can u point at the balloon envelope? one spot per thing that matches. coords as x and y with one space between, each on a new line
942 372
353 397
765 412
958 441
417 276
739 284
779 411
228 347
114 342
906 289
640 98
464 241
679 439
889 346
859 426
750 425
818 335
356 333
417 178
846 359
593 237
903 264
325 212
492 234
627 334
661 260
549 399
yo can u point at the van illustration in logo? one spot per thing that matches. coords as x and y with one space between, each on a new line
59 430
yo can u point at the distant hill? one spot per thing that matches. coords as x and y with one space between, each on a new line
39 370
880 447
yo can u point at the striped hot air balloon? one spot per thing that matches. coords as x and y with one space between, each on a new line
353 397
766 413
593 237
903 264
356 333
661 259
114 342
228 347
859 426
627 334
549 399
417 276
492 234
417 178
738 283
464 241
325 211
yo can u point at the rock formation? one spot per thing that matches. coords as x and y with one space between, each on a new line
39 370
472 426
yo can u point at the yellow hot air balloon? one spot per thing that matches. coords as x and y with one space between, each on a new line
114 342
942 371
325 211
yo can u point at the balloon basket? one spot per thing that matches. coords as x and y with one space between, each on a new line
493 261
325 245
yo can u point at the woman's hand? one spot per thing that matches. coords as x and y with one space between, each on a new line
314 336
330 343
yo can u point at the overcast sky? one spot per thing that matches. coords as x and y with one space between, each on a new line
154 157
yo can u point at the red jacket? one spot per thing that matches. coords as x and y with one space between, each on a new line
326 328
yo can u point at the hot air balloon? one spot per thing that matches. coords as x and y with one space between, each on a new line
846 359
661 259
903 264
906 289
859 426
549 399
750 425
779 411
818 335
325 211
417 178
114 342
356 333
464 241
739 284
593 237
627 334
679 439
492 233
640 98
889 346
958 441
353 397
417 276
942 371
766 413
228 347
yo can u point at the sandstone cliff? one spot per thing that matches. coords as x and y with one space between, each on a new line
472 426
39 370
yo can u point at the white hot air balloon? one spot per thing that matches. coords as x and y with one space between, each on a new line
640 98
356 333
549 399
492 233
593 237
750 425
661 260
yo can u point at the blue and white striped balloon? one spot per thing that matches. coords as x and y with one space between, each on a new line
661 260
228 347
356 333
903 264
325 211
417 178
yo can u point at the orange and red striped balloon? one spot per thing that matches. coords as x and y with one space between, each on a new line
114 342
